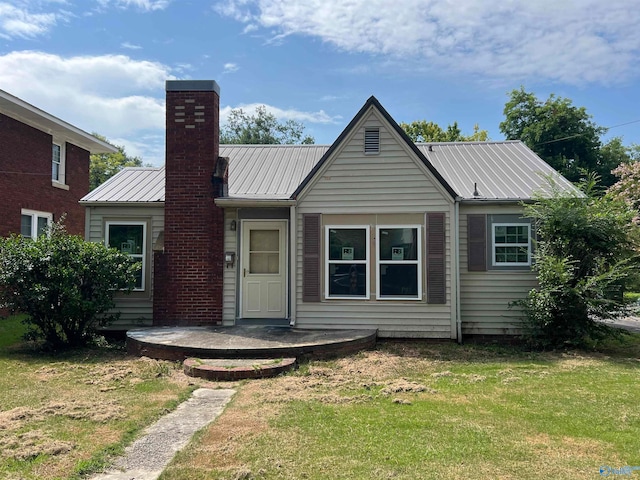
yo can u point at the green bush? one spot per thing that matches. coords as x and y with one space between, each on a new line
585 256
63 284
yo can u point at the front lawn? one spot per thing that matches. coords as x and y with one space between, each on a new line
417 410
63 415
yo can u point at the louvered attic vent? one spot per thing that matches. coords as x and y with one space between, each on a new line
372 140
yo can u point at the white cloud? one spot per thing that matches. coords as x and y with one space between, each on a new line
130 46
230 68
283 114
113 95
146 5
22 22
590 41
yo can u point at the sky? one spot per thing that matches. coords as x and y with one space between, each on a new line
101 65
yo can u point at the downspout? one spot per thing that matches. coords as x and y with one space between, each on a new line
293 249
456 267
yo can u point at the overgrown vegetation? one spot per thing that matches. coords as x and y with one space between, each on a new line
585 256
62 284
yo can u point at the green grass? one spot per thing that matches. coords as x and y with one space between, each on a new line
483 412
65 415
632 296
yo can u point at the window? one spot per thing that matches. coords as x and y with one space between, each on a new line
33 224
371 141
511 244
399 270
58 162
130 238
347 253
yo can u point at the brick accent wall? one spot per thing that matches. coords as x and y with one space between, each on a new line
25 178
191 267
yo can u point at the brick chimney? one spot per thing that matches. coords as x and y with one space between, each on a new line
188 273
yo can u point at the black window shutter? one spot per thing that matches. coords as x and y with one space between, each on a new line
311 257
436 268
477 243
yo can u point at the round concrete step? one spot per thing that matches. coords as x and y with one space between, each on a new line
236 369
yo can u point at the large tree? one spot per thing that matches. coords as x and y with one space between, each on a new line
563 135
261 128
423 131
103 166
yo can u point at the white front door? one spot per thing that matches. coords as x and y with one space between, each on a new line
263 269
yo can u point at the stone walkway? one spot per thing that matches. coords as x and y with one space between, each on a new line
148 456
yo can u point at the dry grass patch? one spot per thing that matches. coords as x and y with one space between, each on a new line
418 410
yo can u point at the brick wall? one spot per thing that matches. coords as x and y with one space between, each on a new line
188 275
25 177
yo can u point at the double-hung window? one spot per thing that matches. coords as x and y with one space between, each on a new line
57 162
347 254
399 262
33 224
511 244
129 238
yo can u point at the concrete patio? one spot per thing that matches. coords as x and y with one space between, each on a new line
179 343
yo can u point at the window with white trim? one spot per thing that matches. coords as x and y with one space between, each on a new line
511 244
347 264
58 162
33 223
130 238
399 262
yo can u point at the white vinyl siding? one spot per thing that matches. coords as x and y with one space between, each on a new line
135 309
485 296
230 274
391 188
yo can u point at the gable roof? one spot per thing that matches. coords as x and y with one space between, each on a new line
26 113
501 171
373 102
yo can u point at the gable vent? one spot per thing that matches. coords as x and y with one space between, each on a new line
372 140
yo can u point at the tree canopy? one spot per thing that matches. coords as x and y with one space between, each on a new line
103 166
563 135
423 131
262 128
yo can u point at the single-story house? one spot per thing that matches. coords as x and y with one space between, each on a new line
372 231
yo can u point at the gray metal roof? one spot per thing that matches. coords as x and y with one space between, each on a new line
502 171
269 171
132 184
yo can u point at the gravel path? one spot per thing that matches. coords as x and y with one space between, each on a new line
148 456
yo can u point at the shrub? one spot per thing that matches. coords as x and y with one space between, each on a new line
63 284
585 255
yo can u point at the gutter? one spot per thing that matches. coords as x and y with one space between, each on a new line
456 266
253 202
89 203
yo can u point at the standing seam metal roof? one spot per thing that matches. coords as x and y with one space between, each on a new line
502 171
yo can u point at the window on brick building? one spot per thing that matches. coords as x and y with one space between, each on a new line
58 162
130 238
33 223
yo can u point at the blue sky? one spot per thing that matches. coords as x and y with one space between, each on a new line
101 64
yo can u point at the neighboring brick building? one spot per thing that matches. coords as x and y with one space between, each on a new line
44 168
